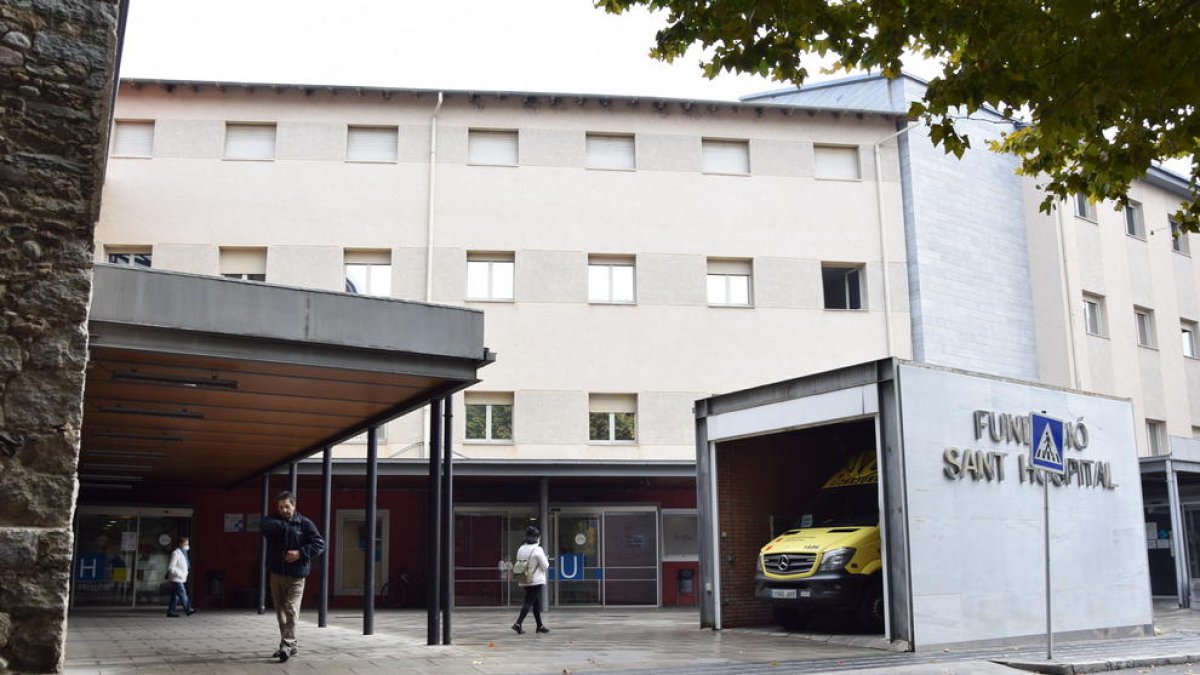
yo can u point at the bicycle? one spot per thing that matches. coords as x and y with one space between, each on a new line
395 592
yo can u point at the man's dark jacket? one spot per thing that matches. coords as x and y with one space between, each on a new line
297 534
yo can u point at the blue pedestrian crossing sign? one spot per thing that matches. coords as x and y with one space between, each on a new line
1046 452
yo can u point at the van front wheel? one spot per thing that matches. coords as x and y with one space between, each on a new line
791 619
870 610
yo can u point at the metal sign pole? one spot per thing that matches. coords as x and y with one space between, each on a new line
1046 531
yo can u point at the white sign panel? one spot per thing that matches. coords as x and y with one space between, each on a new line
975 511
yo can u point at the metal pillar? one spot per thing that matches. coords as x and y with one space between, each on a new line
262 550
447 518
369 560
294 481
326 503
434 525
1183 578
544 522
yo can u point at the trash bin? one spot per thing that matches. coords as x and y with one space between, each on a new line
685 583
214 587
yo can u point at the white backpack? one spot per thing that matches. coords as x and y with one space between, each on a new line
524 568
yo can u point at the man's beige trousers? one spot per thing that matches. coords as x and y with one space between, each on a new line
285 594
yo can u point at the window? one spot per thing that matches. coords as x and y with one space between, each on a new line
371 144
1134 226
129 257
611 151
680 534
727 157
612 418
1179 240
1084 208
133 139
369 272
489 416
490 276
249 141
1093 314
1188 333
729 282
837 162
492 148
1156 434
843 286
610 279
1145 326
248 264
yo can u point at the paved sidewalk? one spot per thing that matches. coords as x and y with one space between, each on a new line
583 640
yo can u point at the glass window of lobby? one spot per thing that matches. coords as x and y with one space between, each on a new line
490 276
369 272
611 279
729 282
133 138
489 416
612 418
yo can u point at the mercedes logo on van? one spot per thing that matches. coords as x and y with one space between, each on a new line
784 563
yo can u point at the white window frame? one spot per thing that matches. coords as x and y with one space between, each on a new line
491 261
1180 244
859 270
818 147
381 130
248 158
132 252
1134 217
707 144
489 402
724 270
1093 308
593 139
119 125
1188 331
1156 437
613 405
662 546
1084 208
1143 320
246 264
480 134
608 265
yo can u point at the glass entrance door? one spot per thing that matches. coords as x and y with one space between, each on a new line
155 541
121 555
630 558
576 564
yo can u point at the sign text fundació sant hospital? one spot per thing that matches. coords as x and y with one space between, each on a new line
1008 429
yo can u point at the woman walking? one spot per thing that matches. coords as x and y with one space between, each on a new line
530 570
177 574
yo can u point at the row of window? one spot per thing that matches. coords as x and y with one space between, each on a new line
1135 222
612 418
1095 321
489 147
490 276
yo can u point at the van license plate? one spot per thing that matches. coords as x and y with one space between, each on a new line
783 593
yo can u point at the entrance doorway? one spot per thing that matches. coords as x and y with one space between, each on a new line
604 556
121 555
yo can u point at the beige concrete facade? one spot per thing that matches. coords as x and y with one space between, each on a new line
548 214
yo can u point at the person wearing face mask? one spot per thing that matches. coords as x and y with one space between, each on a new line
533 565
293 542
177 574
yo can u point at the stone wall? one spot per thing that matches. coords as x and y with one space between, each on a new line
57 63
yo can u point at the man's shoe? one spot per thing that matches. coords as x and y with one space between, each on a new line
191 612
172 615
279 655
283 655
517 627
543 629
293 651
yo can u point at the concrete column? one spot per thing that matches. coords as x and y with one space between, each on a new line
57 70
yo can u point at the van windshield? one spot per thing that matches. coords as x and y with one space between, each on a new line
852 506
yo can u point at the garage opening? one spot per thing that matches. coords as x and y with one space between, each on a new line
798 518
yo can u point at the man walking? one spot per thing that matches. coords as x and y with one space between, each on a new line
292 543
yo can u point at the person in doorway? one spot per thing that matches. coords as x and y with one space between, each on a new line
177 574
292 543
534 580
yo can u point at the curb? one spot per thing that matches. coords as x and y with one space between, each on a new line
1053 668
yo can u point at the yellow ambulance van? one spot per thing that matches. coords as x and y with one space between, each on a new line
830 562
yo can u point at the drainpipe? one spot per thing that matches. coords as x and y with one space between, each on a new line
883 249
430 217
